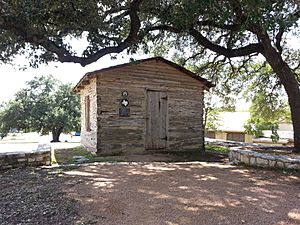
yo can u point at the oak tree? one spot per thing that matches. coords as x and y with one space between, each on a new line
44 105
230 28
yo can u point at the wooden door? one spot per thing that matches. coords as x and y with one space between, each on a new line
156 120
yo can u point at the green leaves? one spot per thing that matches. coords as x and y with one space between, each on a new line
44 105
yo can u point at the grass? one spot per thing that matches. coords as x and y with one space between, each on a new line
217 149
66 156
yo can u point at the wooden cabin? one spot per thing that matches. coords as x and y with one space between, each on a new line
150 104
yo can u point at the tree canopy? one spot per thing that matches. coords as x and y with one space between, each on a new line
222 29
44 105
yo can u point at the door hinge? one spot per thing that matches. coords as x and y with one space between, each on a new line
165 138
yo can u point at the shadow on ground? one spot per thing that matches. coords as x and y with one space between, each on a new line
185 193
150 193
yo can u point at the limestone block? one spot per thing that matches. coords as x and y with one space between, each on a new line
245 159
272 163
262 162
292 166
252 161
6 167
280 164
22 160
39 158
31 160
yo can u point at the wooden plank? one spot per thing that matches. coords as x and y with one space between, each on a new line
156 120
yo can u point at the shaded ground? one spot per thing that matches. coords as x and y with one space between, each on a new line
213 154
29 196
150 193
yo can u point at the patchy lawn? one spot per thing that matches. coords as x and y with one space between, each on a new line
217 149
213 153
66 155
149 193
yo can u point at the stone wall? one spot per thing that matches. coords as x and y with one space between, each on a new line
238 155
89 138
39 157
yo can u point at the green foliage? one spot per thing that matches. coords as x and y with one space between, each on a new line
100 23
4 128
265 114
44 105
269 102
66 156
255 126
44 29
216 148
212 118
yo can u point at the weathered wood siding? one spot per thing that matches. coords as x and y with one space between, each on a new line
185 107
89 138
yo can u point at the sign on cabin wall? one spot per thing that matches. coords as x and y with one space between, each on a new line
124 94
124 110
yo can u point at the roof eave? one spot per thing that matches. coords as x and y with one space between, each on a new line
207 84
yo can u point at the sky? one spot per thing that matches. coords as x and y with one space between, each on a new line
13 79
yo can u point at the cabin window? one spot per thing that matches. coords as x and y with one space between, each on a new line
87 113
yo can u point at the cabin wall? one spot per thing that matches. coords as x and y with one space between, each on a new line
127 134
89 137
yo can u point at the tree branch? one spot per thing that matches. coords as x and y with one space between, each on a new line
278 39
231 27
229 53
63 55
131 39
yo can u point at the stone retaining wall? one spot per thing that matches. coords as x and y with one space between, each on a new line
239 156
39 157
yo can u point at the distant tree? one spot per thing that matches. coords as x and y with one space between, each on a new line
3 126
44 105
266 112
269 104
211 118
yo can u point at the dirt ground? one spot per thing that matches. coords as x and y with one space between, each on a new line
149 193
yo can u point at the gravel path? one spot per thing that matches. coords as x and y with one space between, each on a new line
29 196
150 194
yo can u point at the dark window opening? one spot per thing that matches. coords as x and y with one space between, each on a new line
87 114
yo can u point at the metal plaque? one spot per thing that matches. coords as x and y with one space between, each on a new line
124 102
124 93
124 112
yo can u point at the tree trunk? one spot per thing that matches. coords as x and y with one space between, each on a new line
56 133
289 82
